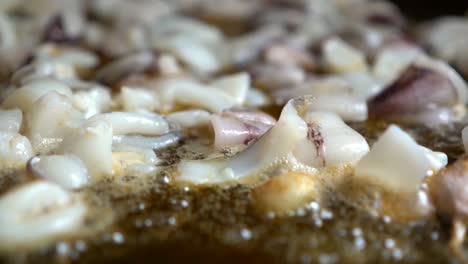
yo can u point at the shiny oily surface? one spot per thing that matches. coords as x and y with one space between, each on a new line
159 221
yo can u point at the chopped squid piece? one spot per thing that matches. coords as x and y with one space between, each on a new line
38 213
75 57
15 150
391 62
189 118
92 143
121 68
356 86
363 84
191 93
147 155
49 119
339 57
397 163
284 54
168 65
187 26
332 94
67 171
43 69
285 193
147 142
347 107
447 36
256 98
251 117
465 138
459 84
10 120
93 101
247 47
272 77
123 123
235 85
239 128
25 96
199 56
428 89
296 133
136 99
437 160
392 174
122 160
448 193
329 141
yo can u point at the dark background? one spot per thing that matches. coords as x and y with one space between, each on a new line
425 9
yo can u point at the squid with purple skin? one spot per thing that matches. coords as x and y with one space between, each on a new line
239 128
428 91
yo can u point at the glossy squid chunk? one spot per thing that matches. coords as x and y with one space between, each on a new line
37 213
427 91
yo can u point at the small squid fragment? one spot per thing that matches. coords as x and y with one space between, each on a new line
124 123
159 142
272 77
189 118
187 26
247 47
38 213
10 120
148 155
329 141
93 101
92 143
257 98
449 195
43 69
136 99
427 91
191 93
289 55
133 160
49 119
397 162
63 55
236 85
345 94
67 171
339 57
199 56
25 96
239 128
121 68
15 150
391 62
347 107
285 192
392 173
297 133
446 36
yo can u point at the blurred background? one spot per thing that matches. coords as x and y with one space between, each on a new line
424 9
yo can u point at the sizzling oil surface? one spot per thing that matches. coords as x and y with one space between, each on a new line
159 222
